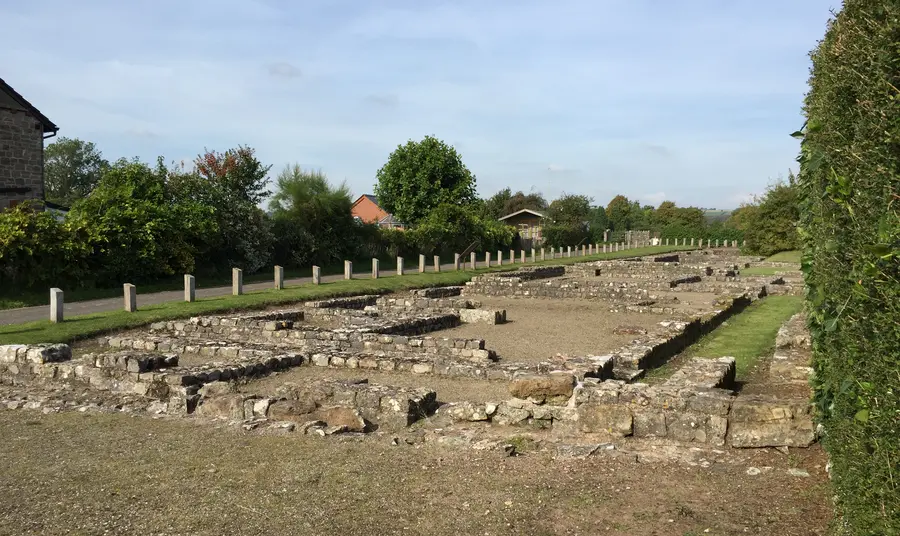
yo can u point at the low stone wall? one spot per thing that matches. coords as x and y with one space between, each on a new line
660 346
348 302
437 292
420 305
331 406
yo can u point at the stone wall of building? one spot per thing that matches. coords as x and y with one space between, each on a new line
21 157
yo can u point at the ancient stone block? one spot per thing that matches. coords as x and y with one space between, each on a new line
611 419
468 411
341 416
550 388
227 406
649 424
768 422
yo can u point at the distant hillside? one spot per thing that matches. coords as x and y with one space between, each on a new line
713 215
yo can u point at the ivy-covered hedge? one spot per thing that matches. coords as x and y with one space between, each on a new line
850 227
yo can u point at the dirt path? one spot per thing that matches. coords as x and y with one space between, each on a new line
87 474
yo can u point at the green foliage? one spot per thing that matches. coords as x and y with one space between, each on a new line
772 226
850 232
138 230
450 229
312 219
72 168
505 202
618 213
420 176
236 172
37 249
598 223
569 221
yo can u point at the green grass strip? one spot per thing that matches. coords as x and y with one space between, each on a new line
785 256
83 326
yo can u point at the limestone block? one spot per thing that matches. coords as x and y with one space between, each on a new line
649 423
615 420
229 406
467 411
758 421
553 389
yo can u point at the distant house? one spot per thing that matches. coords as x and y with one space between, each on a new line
529 223
367 210
23 129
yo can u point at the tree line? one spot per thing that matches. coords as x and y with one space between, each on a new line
133 221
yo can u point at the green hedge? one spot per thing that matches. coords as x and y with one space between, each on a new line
850 227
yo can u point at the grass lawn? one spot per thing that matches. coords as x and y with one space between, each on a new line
785 256
747 336
15 298
83 326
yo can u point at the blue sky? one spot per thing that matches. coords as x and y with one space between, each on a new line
691 101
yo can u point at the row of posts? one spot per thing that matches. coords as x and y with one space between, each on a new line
237 275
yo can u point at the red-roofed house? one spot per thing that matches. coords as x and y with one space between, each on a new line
367 210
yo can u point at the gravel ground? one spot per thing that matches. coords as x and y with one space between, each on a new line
93 474
538 329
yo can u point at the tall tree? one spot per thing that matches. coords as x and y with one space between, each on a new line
618 212
72 168
495 205
236 171
421 175
570 210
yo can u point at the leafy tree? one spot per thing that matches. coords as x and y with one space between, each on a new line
618 212
519 201
312 218
139 230
570 210
72 168
237 172
420 176
494 207
598 223
774 227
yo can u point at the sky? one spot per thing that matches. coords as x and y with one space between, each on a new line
684 100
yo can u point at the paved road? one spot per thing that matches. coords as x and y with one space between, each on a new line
42 312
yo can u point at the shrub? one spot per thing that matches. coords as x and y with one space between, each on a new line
850 229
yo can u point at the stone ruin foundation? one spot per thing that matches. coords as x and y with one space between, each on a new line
213 367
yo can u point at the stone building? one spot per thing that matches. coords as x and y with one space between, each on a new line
23 129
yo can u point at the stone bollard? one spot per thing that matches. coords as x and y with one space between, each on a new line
717 242
745 243
400 266
375 268
190 293
568 251
512 256
692 241
543 254
499 257
473 262
421 263
56 305
583 250
437 263
487 259
237 281
456 261
279 277
316 275
522 256
667 241
130 297
348 269
533 256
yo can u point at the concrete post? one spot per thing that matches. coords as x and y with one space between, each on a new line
348 269
190 293
237 281
533 255
473 262
522 256
316 275
745 242
499 257
130 297
583 250
568 251
376 268
543 254
717 242
279 277
700 244
56 305
421 263
512 256
487 259
437 263
667 241
692 241
456 261
400 266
